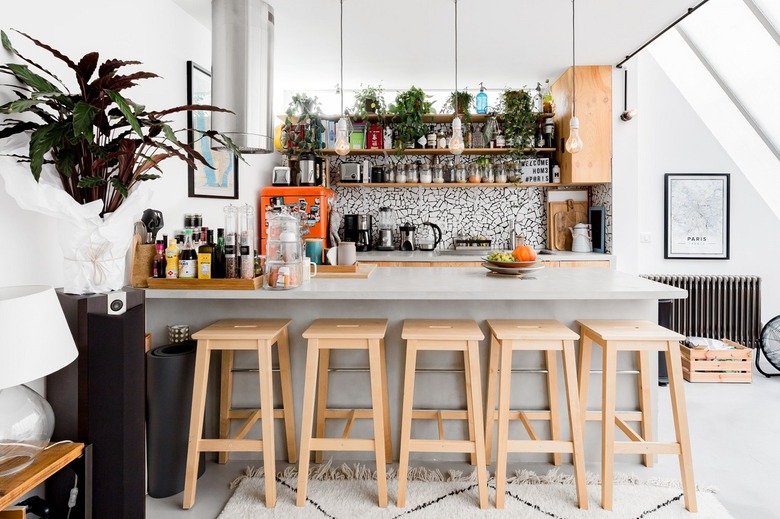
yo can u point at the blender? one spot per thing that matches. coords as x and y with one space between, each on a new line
386 225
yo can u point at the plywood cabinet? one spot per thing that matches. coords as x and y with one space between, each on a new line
592 165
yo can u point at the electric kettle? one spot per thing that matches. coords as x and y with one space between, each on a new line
425 242
581 240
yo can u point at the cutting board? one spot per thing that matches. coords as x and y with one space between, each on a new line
561 216
364 271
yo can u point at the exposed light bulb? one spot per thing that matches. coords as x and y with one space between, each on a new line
456 143
342 139
574 142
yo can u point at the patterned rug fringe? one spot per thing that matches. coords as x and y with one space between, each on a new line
358 471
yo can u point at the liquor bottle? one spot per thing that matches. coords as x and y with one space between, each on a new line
188 258
172 260
218 259
205 256
482 100
159 262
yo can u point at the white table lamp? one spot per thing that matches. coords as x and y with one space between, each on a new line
34 341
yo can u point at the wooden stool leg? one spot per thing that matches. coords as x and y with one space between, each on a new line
285 375
225 396
586 351
478 419
377 402
552 397
608 425
406 421
490 408
307 419
575 423
385 403
469 404
646 424
196 422
322 399
680 415
266 380
505 378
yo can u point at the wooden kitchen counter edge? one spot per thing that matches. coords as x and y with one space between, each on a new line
455 284
44 465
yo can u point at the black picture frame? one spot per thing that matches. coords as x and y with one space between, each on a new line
221 181
697 216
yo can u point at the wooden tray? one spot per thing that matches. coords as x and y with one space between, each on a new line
206 284
363 271
702 365
337 268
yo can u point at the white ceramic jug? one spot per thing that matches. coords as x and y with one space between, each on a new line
580 238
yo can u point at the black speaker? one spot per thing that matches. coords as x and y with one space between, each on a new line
99 400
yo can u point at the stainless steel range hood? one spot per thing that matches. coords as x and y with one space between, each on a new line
242 64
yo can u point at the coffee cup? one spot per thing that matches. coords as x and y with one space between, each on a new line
347 254
314 250
331 255
309 269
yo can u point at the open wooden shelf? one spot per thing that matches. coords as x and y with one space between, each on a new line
445 184
430 118
435 151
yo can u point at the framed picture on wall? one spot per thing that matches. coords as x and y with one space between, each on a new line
221 180
696 216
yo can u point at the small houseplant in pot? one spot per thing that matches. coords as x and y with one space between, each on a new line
409 108
369 100
462 100
86 155
302 131
518 120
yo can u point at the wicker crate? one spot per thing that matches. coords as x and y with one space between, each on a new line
702 365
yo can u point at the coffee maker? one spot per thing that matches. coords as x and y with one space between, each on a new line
407 236
357 229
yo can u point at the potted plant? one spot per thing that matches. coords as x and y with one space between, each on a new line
409 108
369 100
87 153
463 100
518 121
302 131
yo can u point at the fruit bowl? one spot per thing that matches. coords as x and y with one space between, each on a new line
510 264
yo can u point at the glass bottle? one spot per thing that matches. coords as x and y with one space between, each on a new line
481 101
246 239
188 258
206 256
158 265
218 259
231 267
172 260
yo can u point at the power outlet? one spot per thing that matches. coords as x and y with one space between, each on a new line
645 237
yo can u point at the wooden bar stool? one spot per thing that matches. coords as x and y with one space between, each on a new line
441 335
508 336
230 335
323 336
640 337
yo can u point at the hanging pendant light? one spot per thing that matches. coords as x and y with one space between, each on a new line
456 143
574 142
342 132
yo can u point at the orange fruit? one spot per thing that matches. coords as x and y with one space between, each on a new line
524 253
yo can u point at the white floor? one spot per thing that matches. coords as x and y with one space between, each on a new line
735 429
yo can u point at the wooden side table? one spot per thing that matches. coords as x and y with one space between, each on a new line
45 464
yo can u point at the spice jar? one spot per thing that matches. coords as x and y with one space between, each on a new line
389 176
460 173
400 174
426 177
488 176
475 173
500 169
411 173
438 174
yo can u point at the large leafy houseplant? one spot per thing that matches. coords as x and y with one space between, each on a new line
100 142
409 108
518 120
369 100
302 131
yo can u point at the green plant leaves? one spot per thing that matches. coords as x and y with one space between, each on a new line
42 141
126 111
83 115
87 182
30 78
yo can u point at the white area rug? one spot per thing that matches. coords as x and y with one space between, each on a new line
351 492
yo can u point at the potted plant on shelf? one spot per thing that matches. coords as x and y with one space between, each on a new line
87 154
302 131
518 120
369 100
409 108
464 101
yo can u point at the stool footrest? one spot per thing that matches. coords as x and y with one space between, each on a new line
529 415
466 446
231 445
341 444
626 416
539 446
238 414
429 414
646 448
349 413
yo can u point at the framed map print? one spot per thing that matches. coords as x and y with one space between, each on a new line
221 180
696 216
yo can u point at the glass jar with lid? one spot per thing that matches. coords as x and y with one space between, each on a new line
500 170
412 174
509 166
389 175
460 173
488 176
475 173
400 173
283 253
438 174
426 177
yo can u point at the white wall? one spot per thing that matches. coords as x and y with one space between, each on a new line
670 138
163 37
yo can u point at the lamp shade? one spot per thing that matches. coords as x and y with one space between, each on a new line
35 339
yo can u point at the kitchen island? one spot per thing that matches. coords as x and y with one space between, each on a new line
407 293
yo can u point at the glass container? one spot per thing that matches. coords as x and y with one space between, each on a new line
488 176
460 173
426 177
389 175
438 174
400 174
231 225
500 170
411 174
475 173
283 253
509 166
246 240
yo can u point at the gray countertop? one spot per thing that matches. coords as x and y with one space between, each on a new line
454 256
453 284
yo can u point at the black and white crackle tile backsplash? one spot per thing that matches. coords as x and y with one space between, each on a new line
488 212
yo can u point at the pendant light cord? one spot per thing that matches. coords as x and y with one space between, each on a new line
341 44
456 58
573 65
